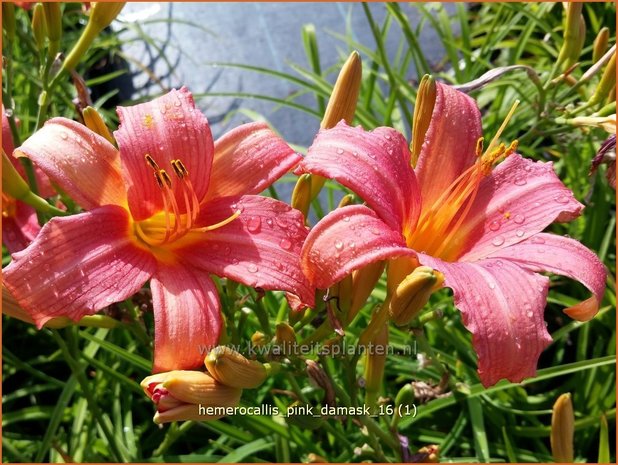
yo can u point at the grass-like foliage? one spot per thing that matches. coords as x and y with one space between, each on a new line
73 394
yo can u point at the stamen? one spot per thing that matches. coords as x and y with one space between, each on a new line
166 178
220 224
151 162
177 169
158 178
503 126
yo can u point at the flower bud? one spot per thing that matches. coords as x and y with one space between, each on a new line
607 123
573 38
8 19
232 369
301 197
285 334
405 397
413 293
429 454
346 200
315 458
375 361
39 28
341 105
363 282
562 429
607 83
319 378
103 13
184 395
259 339
423 110
53 21
600 44
94 121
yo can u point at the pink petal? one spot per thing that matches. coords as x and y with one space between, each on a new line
166 128
450 142
248 159
187 317
21 229
517 200
259 249
345 240
79 264
375 165
560 255
84 164
502 305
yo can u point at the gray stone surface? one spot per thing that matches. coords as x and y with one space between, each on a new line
253 33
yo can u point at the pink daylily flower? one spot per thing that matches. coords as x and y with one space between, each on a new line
168 205
480 225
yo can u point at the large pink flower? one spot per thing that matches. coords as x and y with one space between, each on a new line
169 205
480 226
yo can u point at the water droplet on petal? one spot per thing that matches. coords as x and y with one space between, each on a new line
519 233
529 314
269 222
375 232
498 241
340 151
64 135
253 224
285 244
346 219
492 286
519 181
563 199
519 219
537 240
252 268
338 245
494 225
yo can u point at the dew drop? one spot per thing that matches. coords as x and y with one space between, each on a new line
519 233
252 268
177 103
492 286
519 219
285 244
529 314
253 224
346 219
338 245
64 135
375 232
537 240
562 199
494 225
340 151
520 181
269 222
498 241
352 244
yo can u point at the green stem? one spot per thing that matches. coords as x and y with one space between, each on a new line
172 435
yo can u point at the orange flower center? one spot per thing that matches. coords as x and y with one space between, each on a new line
439 232
172 223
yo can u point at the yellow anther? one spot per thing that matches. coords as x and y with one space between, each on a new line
479 147
151 162
182 167
166 178
507 215
158 179
177 170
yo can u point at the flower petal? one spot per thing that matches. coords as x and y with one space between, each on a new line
248 159
450 142
187 317
166 128
21 228
560 255
518 200
345 240
260 248
84 164
77 265
502 305
375 165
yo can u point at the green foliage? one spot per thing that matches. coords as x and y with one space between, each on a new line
73 394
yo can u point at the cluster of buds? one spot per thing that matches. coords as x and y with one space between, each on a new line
181 395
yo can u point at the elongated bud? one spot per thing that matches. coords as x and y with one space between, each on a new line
39 27
363 283
346 200
94 121
425 101
562 429
315 458
341 295
101 16
375 360
12 183
301 196
572 43
341 105
8 19
607 123
607 83
600 44
185 395
413 293
232 369
319 378
53 21
405 398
